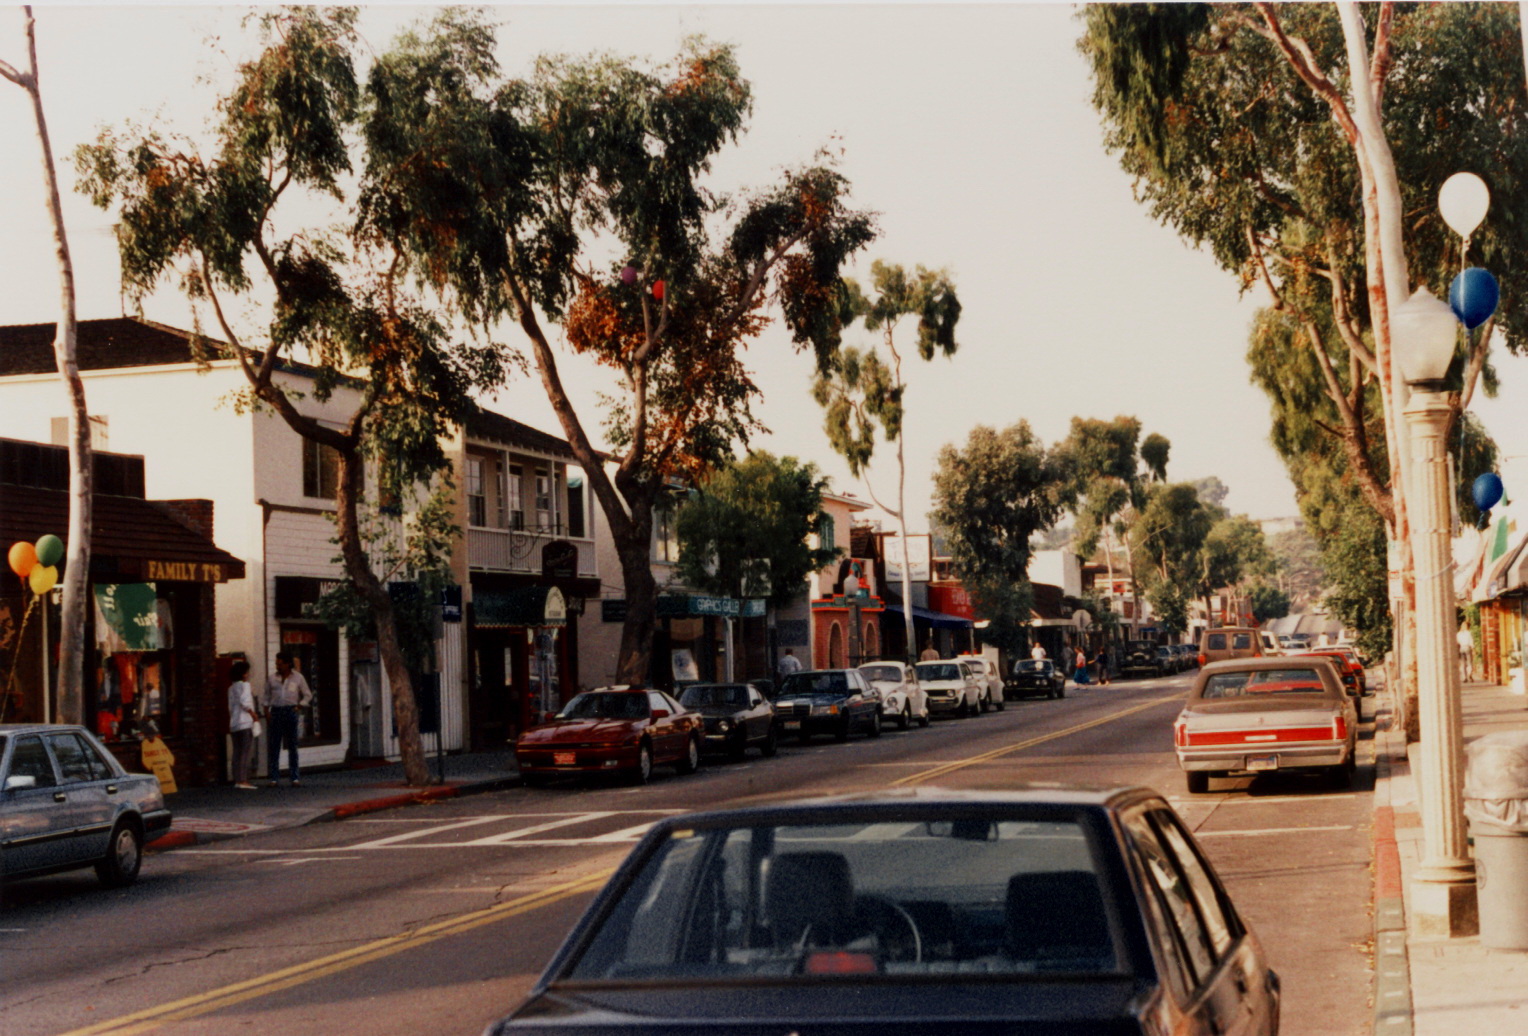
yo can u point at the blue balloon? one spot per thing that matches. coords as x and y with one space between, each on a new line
1473 296
1487 490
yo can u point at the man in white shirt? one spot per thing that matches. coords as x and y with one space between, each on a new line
1038 652
286 691
789 663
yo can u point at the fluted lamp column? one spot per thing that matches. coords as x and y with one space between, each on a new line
1443 902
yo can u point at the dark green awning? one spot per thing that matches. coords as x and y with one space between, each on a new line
525 606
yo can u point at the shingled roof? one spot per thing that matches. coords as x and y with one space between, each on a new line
485 424
100 345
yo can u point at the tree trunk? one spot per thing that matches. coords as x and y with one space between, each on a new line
635 663
907 558
358 568
71 694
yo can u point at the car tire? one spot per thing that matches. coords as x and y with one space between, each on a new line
1061 691
986 705
1000 702
690 762
739 747
770 745
124 857
644 771
875 724
1198 781
923 719
905 717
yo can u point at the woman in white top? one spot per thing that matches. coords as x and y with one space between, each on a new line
241 721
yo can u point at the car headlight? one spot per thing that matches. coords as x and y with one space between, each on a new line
824 710
723 725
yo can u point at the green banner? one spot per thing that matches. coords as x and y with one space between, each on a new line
126 617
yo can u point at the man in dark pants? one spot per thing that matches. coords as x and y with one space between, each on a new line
286 691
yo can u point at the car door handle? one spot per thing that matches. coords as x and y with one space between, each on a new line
59 796
111 789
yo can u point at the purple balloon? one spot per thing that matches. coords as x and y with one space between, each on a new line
628 274
1473 296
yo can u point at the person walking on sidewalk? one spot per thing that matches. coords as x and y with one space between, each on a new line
286 691
1466 654
241 723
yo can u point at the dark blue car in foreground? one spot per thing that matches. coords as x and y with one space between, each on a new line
925 911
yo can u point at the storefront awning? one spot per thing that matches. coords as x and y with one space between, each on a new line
523 607
937 620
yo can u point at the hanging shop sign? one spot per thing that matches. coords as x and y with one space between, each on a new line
127 617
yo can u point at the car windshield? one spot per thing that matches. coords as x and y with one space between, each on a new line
1263 681
701 695
815 683
606 705
1032 666
1140 645
889 673
938 671
918 896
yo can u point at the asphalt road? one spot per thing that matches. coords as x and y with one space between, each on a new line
437 919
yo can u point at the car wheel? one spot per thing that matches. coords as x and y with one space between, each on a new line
1198 782
691 761
1000 702
875 724
923 719
905 717
1342 776
644 770
987 702
1061 691
770 744
124 857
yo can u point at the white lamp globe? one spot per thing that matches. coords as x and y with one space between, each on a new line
1464 199
1424 331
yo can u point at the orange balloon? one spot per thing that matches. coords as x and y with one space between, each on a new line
23 558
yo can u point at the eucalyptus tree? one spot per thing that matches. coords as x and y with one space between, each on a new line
862 393
575 202
1242 128
991 496
71 672
1112 469
744 531
1168 539
238 223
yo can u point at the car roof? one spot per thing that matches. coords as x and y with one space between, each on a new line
1274 662
34 728
618 689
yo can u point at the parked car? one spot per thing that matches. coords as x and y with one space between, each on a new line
1271 646
735 715
1217 645
987 673
827 701
617 730
1355 666
1344 672
1261 715
1142 656
951 686
902 697
1035 676
1040 911
66 803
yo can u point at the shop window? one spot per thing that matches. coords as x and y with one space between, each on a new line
320 470
134 674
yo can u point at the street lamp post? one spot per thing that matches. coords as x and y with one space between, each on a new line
1443 893
852 591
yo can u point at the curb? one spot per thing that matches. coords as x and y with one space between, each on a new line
173 839
1392 965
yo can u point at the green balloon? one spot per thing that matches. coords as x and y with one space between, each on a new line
50 550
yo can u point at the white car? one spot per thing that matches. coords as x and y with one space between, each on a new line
952 687
902 699
986 671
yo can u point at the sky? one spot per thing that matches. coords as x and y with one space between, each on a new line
967 128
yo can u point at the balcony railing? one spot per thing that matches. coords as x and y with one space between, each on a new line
519 550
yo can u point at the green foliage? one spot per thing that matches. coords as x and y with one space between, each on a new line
749 523
1354 559
990 498
1268 602
1298 560
1107 481
860 391
1168 539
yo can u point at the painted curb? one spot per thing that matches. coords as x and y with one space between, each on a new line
1392 965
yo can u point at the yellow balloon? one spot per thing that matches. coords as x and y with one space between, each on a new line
43 578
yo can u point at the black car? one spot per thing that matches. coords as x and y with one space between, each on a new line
1038 910
736 716
827 701
1141 656
1035 676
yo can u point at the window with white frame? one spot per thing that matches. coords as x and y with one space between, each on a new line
515 491
477 496
665 535
546 498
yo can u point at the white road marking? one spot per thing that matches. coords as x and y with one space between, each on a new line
310 859
519 833
1258 800
1272 831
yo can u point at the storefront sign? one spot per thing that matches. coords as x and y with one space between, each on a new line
678 605
613 609
527 606
451 603
559 560
919 550
159 760
952 600
296 595
753 608
185 571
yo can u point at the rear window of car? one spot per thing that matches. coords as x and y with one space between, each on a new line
889 673
1215 642
1241 641
1263 681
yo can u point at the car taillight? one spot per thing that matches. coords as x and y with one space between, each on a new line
1340 728
1180 734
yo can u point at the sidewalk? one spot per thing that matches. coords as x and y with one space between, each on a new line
1432 986
222 811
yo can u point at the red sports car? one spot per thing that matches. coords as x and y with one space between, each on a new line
621 730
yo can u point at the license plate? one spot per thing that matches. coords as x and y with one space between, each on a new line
564 758
1262 762
793 724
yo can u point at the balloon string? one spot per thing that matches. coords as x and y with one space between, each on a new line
10 678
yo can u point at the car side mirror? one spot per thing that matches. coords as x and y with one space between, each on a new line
20 781
661 714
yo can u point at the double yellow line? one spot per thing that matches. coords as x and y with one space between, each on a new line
1019 746
227 996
